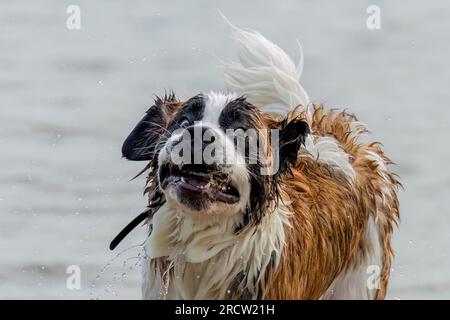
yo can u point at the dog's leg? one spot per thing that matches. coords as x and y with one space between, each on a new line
361 280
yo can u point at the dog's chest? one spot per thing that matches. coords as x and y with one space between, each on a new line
180 280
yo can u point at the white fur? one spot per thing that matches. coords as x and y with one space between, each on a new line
265 74
271 81
328 150
214 103
204 258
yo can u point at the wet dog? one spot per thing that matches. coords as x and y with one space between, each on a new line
307 214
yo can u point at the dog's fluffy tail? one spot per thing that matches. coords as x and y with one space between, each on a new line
265 74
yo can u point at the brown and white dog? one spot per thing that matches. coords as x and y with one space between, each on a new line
318 227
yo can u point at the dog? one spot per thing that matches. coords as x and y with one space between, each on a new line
317 226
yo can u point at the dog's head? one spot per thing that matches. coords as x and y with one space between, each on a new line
216 155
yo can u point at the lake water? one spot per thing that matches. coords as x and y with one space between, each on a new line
68 98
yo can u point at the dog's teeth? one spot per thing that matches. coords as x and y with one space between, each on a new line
183 180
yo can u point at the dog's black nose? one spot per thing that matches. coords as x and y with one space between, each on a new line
201 137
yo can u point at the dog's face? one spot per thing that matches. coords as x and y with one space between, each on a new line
211 154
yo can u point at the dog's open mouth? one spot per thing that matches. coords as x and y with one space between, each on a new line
198 183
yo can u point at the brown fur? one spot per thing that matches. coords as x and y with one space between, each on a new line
330 215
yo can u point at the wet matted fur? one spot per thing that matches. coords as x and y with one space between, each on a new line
321 227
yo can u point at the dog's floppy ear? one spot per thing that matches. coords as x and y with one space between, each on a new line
291 136
141 142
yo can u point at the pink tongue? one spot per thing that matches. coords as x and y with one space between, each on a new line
196 182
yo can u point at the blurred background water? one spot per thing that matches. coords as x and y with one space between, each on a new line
68 98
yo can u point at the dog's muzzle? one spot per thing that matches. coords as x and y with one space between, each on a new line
199 179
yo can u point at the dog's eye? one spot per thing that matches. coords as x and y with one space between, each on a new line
184 122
